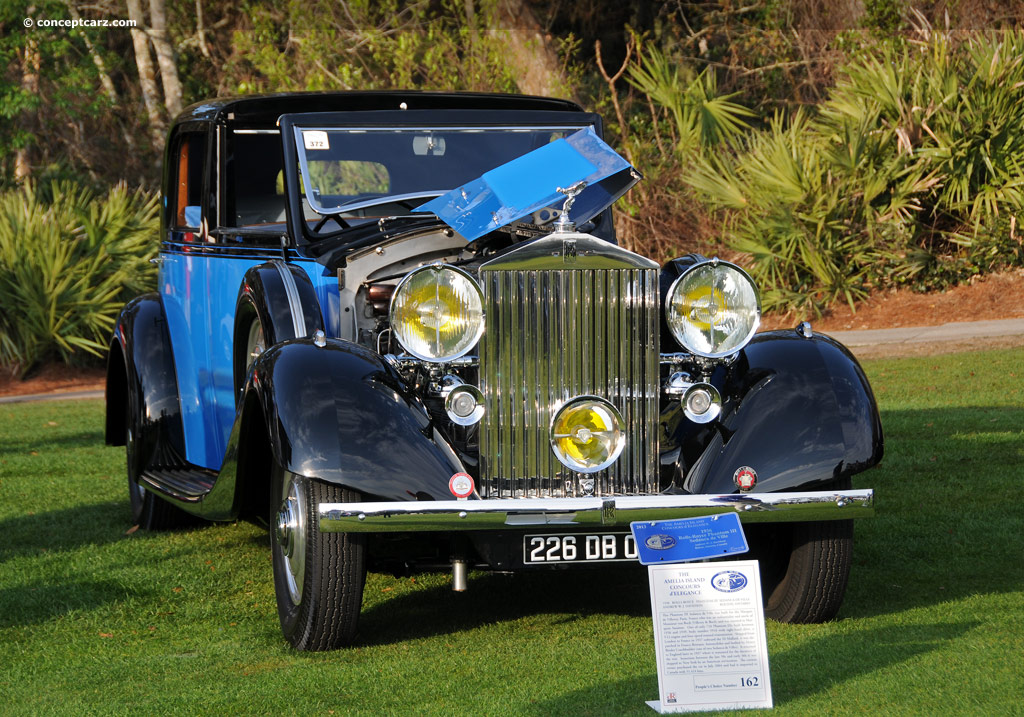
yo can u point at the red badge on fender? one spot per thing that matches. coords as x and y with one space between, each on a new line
461 485
745 478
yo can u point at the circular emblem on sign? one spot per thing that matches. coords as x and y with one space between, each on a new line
660 542
729 581
745 478
461 485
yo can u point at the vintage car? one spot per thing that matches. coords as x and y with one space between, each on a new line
396 328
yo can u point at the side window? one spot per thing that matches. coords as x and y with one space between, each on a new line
189 159
255 190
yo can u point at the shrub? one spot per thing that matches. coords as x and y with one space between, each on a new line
671 115
67 264
910 173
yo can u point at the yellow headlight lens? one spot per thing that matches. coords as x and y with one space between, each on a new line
713 309
437 313
586 434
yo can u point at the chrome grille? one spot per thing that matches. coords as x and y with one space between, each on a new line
567 318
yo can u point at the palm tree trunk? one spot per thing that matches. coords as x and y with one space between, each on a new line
531 53
30 85
165 57
147 74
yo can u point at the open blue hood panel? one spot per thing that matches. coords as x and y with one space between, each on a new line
531 182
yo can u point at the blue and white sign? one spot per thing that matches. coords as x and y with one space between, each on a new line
679 541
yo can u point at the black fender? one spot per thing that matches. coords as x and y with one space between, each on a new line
337 413
283 298
799 411
140 367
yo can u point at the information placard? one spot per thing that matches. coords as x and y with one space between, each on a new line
709 637
679 541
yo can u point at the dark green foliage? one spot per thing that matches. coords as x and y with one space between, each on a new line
367 45
56 114
884 16
68 262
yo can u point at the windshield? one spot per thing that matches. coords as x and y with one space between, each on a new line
352 171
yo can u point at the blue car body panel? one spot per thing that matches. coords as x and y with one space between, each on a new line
199 290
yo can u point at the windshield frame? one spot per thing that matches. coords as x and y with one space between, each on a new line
292 125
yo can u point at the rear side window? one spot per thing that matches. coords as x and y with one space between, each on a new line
189 159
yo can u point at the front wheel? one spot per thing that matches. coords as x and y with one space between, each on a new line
804 569
318 577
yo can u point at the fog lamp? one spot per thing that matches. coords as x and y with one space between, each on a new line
437 313
464 405
702 403
586 434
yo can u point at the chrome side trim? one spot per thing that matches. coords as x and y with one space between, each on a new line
503 514
292 292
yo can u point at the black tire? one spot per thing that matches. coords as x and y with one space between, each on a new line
148 511
804 569
318 577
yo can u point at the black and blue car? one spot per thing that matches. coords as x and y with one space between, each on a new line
396 328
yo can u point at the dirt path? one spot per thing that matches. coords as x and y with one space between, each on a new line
997 296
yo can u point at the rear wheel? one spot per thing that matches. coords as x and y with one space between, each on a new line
804 569
318 577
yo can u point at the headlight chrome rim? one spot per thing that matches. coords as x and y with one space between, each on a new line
675 322
469 339
614 435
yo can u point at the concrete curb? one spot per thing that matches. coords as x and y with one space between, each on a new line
67 396
957 332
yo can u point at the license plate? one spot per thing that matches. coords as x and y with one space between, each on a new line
578 548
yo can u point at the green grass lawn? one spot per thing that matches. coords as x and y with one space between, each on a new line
96 619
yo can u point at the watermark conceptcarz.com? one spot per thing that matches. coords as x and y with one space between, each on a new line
72 23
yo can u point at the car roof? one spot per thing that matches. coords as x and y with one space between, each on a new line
263 110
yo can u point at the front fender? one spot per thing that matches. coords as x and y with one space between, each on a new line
799 411
282 297
339 413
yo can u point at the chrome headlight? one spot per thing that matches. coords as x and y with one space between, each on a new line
437 313
713 309
587 434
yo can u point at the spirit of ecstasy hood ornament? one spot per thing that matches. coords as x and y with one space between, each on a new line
564 224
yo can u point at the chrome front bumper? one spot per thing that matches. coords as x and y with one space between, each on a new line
619 511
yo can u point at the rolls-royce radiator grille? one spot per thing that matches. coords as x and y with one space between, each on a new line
553 335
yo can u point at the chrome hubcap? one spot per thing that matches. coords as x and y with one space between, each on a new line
290 534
